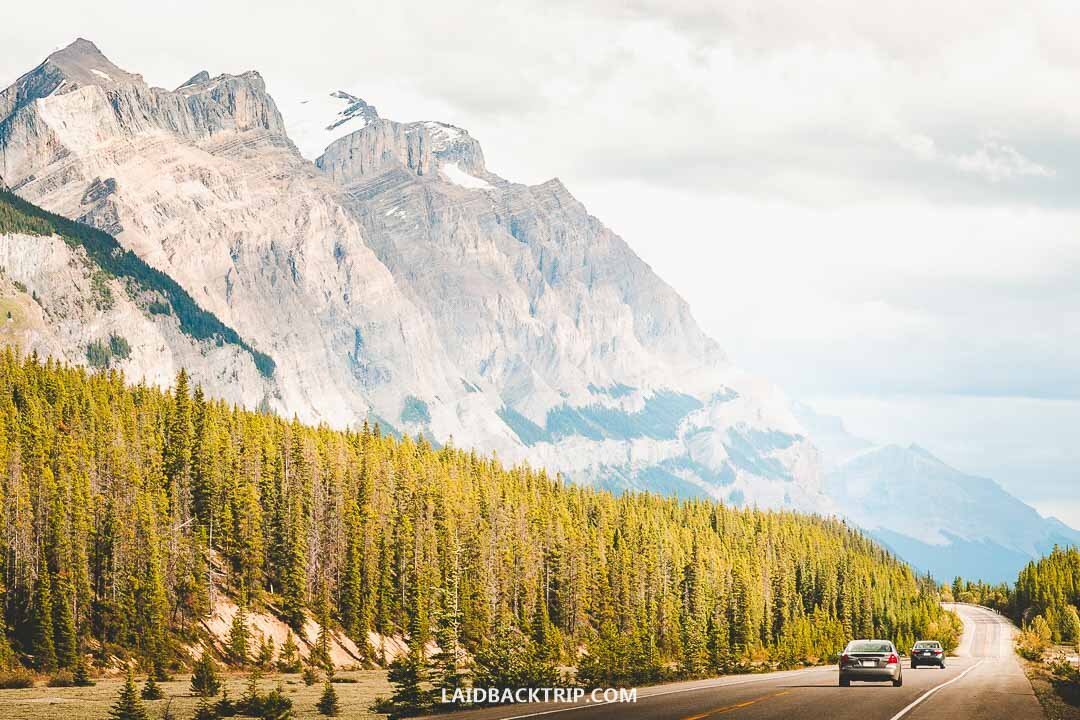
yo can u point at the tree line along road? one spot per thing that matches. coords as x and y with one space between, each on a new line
984 682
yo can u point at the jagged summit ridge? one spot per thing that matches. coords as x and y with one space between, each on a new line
358 113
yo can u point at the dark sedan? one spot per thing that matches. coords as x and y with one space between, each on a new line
870 661
928 652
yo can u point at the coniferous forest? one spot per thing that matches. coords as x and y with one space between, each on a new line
126 509
1046 596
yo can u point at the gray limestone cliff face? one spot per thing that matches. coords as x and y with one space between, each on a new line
386 145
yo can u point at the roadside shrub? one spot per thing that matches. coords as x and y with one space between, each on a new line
1031 645
62 679
1065 670
15 680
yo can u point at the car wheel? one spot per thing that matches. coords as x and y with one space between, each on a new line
844 682
898 682
914 666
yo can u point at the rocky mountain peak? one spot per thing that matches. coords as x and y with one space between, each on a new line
357 112
82 63
196 79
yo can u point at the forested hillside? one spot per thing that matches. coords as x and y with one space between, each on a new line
1046 596
19 216
125 510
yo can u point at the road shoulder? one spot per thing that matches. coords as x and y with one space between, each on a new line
1060 700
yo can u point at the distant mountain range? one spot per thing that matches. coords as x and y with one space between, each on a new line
937 518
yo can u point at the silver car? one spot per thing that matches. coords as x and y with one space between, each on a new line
871 661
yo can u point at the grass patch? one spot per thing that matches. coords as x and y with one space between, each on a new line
93 703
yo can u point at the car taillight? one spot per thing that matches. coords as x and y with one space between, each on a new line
937 652
893 659
845 657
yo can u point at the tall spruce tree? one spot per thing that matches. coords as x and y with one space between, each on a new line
42 642
64 634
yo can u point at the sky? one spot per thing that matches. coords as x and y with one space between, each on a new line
875 207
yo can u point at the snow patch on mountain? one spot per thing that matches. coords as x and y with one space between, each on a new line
456 175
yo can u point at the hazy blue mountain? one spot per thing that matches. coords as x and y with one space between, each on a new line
940 519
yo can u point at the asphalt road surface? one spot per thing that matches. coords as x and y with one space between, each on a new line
984 682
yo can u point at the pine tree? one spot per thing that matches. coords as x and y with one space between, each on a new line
310 675
128 706
203 488
176 460
205 711
81 675
237 641
265 658
7 654
42 646
510 661
328 702
445 664
289 657
351 596
407 674
151 690
64 635
205 681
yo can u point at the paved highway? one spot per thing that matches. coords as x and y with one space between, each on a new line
984 682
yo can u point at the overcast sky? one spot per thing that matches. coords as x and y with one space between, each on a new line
877 208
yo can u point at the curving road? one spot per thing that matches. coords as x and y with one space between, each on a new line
984 682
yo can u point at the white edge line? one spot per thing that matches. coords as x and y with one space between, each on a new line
933 690
669 692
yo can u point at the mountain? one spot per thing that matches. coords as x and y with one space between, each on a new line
397 279
937 518
70 292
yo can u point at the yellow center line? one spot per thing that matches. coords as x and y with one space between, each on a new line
739 706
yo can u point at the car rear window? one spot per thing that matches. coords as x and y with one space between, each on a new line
868 646
927 645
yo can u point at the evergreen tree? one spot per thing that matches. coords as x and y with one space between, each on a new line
328 703
265 658
445 664
320 654
289 657
64 635
176 461
81 675
1070 625
237 641
510 661
151 690
205 711
205 681
42 646
408 676
128 706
